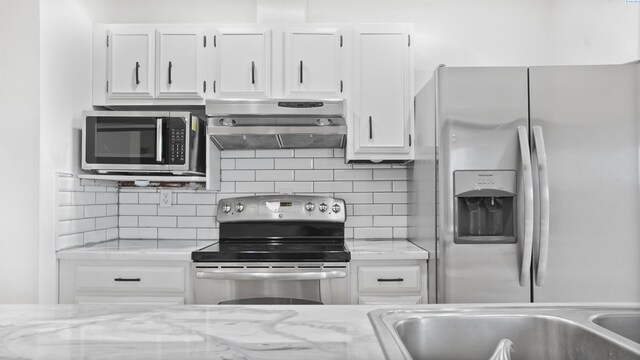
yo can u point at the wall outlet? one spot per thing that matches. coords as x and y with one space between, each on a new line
165 198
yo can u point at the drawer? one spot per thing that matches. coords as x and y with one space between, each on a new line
390 300
389 278
130 278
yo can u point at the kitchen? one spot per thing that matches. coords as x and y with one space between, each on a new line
454 34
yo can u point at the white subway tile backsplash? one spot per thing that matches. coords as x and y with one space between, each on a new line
197 198
400 185
207 234
148 198
70 212
370 209
227 164
314 153
371 186
330 163
274 153
138 233
91 211
157 221
238 175
392 198
356 198
106 222
255 187
69 183
359 221
390 221
293 187
95 236
206 210
196 222
227 187
68 241
372 233
106 198
127 221
291 163
76 226
274 175
238 153
400 209
352 174
177 233
138 209
254 164
178 210
313 175
390 174
112 209
400 232
333 186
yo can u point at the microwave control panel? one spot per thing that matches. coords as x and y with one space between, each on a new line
177 141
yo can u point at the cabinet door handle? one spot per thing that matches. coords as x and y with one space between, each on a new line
301 79
137 73
370 128
391 280
170 67
253 72
127 279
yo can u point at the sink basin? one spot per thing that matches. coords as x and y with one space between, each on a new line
627 325
465 332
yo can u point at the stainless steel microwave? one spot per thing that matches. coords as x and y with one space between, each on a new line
144 142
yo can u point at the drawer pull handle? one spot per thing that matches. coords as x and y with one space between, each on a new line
391 280
127 279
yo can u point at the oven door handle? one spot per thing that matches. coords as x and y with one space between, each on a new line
224 275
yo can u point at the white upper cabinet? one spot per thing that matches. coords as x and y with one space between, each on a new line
313 63
180 64
131 60
383 120
244 62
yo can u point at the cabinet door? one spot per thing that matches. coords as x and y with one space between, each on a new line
180 63
383 92
244 63
313 63
131 63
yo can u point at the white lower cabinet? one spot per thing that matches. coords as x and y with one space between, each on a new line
125 282
383 282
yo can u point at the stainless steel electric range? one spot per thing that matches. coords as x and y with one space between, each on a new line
280 249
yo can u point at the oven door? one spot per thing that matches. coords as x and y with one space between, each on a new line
118 141
276 283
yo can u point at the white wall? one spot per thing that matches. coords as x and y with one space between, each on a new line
19 131
65 88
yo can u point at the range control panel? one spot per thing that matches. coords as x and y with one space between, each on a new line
281 208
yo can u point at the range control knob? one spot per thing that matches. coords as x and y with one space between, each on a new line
226 208
323 207
239 207
309 206
336 208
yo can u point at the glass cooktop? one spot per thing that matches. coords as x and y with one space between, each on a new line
273 250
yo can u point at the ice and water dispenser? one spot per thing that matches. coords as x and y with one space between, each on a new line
485 206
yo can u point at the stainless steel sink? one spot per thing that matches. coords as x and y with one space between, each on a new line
537 332
627 325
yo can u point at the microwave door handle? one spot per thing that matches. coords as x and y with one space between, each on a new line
543 252
158 140
227 275
527 243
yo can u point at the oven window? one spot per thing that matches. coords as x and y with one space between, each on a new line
121 140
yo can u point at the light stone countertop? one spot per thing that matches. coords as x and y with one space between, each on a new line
187 332
125 249
385 249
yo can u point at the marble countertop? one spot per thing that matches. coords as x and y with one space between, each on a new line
187 332
385 249
124 249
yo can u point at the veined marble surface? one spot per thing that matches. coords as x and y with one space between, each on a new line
124 249
187 332
385 249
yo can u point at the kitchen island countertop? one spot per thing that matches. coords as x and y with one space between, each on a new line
187 332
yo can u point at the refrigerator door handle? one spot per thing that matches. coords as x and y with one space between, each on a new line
543 252
527 245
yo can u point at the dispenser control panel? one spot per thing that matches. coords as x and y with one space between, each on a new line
478 180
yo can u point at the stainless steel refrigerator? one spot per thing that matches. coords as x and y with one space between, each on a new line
525 186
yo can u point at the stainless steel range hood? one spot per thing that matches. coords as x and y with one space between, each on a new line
276 123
